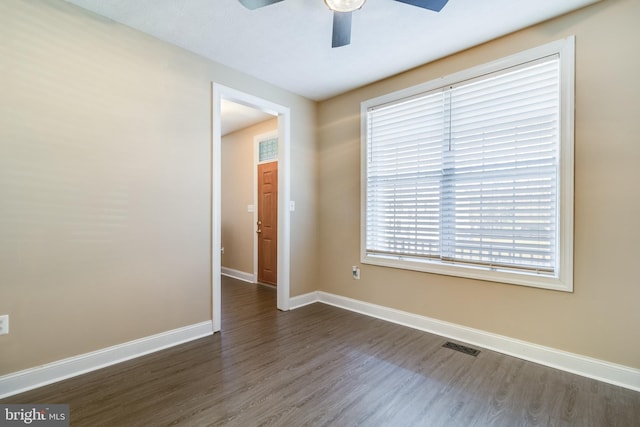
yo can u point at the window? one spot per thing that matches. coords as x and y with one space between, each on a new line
472 175
268 149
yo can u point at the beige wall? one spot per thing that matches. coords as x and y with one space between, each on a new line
105 182
601 318
238 227
105 156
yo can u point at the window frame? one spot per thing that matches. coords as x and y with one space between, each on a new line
563 278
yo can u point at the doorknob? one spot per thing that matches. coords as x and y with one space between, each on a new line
259 222
258 231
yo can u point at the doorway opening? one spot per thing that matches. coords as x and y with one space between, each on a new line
222 93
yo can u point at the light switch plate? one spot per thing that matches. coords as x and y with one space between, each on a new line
4 324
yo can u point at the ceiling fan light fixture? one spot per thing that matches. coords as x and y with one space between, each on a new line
344 5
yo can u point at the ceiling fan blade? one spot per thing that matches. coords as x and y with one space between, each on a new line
341 29
435 5
255 4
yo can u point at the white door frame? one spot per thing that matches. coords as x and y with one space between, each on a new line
284 193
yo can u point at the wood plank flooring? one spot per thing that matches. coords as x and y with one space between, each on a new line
323 366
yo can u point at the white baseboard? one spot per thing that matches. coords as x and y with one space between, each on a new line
240 275
29 379
302 300
611 373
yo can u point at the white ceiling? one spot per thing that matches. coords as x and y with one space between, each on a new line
237 116
288 44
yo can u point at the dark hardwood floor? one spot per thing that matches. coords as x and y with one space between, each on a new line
320 365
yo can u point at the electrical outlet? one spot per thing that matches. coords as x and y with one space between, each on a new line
4 324
355 272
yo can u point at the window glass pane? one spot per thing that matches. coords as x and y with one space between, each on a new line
268 150
404 166
502 180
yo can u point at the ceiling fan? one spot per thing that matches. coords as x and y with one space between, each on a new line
342 13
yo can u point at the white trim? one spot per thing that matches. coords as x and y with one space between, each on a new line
600 370
29 379
283 113
237 274
284 213
565 220
565 49
216 209
255 210
304 299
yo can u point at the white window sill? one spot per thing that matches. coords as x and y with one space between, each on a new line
544 281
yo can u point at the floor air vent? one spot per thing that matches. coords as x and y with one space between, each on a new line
462 349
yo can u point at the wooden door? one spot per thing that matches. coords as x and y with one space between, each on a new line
267 227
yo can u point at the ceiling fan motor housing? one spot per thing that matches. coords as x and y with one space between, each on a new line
344 5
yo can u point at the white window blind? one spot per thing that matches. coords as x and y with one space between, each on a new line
468 173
